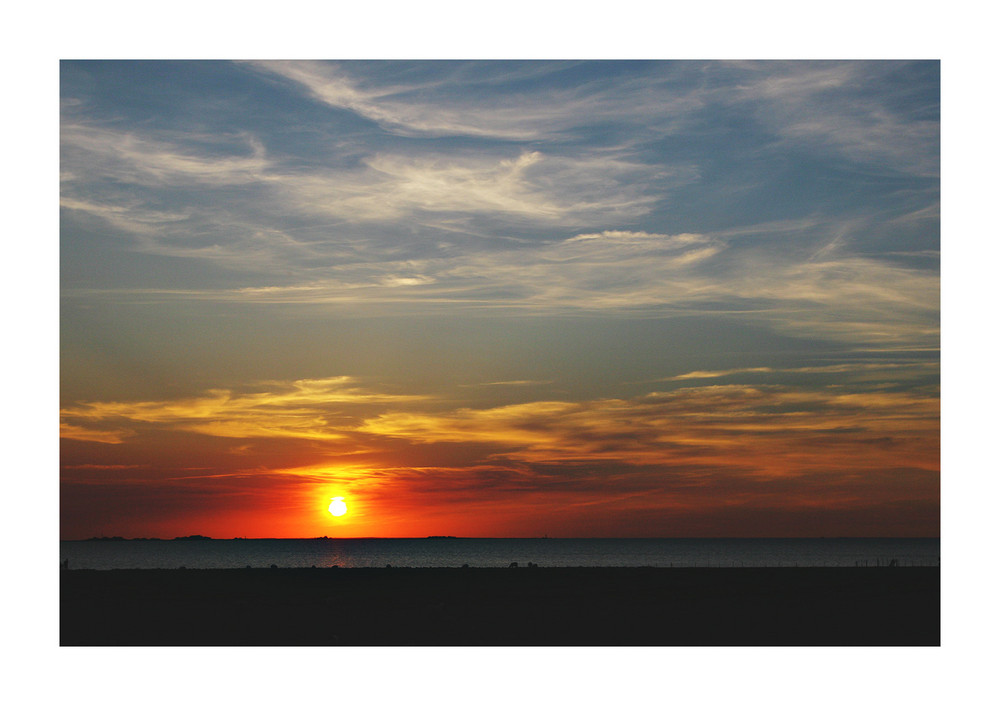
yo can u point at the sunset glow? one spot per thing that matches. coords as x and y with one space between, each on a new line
501 299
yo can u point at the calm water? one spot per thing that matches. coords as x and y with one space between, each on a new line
351 553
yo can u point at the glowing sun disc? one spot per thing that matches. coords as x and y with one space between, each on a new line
338 507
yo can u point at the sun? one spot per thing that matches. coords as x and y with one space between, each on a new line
337 506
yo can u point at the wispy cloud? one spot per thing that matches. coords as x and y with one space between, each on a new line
306 409
889 369
781 428
466 102
829 104
700 374
528 185
140 184
100 436
772 429
129 156
128 215
840 297
328 84
328 231
822 103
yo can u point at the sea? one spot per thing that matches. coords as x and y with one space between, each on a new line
477 552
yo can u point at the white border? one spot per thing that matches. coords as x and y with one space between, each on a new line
958 33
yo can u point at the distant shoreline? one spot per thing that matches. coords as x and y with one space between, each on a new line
491 606
440 536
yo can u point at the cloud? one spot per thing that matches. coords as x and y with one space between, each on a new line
100 436
128 215
833 295
527 187
885 370
330 85
864 301
158 187
695 425
775 426
690 449
699 374
847 298
832 105
128 156
600 270
466 101
837 105
303 409
532 228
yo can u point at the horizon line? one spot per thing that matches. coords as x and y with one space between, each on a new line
440 536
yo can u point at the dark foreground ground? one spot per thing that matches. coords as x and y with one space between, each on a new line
525 606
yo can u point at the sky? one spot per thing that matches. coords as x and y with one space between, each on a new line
500 298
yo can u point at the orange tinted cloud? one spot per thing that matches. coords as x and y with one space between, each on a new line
101 436
269 461
691 423
300 409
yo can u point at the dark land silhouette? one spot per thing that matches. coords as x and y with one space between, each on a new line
479 606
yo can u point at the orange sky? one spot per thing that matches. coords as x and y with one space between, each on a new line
766 460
